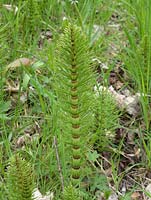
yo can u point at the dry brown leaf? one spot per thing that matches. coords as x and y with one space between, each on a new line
108 172
135 196
11 88
19 62
22 140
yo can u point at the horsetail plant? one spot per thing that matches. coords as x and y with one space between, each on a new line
20 181
74 81
71 193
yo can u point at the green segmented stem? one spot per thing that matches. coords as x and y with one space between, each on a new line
76 154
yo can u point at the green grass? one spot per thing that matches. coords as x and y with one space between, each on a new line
29 117
138 61
138 53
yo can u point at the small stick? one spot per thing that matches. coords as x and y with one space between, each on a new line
58 162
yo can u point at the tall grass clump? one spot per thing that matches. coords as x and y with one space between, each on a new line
138 63
138 60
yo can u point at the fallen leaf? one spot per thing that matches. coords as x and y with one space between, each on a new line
19 62
22 140
135 196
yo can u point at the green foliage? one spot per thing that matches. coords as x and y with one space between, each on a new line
100 183
20 180
106 120
4 107
74 80
3 45
138 59
70 193
32 16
